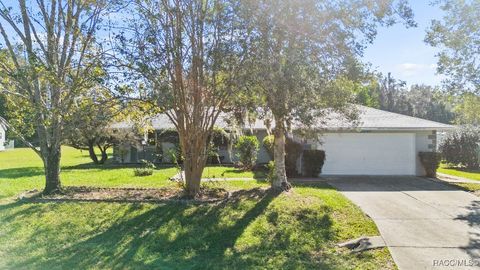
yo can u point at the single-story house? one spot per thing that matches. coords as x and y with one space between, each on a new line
3 134
378 143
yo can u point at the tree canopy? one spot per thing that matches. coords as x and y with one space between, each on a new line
300 55
52 58
457 36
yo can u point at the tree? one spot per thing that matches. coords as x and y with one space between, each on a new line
89 127
390 94
468 110
393 96
457 36
300 55
52 60
460 147
430 103
188 54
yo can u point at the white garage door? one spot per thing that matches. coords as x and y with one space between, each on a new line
369 153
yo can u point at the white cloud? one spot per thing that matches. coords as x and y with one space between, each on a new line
413 69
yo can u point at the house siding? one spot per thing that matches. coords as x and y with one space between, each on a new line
425 141
2 138
228 154
403 146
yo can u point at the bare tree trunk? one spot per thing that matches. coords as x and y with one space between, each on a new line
279 181
103 151
91 152
52 171
194 152
193 176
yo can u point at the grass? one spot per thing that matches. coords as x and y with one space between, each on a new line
21 169
460 172
475 188
464 173
231 172
296 230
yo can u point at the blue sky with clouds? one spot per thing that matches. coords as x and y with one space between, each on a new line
403 52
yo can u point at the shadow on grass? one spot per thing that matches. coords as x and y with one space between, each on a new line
182 236
14 173
199 238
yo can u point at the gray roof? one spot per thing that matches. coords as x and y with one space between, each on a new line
368 119
375 119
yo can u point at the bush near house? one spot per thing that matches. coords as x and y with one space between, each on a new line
247 148
293 150
430 161
460 148
146 169
268 143
313 161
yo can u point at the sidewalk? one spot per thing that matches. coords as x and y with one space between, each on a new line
181 175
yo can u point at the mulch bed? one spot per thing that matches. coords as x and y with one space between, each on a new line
96 194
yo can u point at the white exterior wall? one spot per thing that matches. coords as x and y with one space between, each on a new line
425 142
3 132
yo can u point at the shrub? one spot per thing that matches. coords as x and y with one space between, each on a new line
270 171
430 161
313 161
247 149
460 148
213 156
219 137
146 169
268 142
293 150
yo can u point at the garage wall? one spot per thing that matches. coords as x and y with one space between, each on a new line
369 153
425 141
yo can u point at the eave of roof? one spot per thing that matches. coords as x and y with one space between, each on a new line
370 119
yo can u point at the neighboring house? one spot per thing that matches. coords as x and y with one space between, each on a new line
3 134
379 143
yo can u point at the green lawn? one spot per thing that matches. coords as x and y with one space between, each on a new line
296 230
21 169
469 174
475 188
231 172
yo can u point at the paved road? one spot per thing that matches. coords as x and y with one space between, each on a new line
425 224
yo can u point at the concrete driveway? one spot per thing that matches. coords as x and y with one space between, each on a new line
425 224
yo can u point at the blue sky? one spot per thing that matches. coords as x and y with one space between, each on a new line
403 52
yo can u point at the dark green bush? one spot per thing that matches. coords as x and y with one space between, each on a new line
293 150
247 149
313 161
219 137
430 161
168 135
460 148
146 169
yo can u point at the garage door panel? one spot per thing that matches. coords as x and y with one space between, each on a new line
369 153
